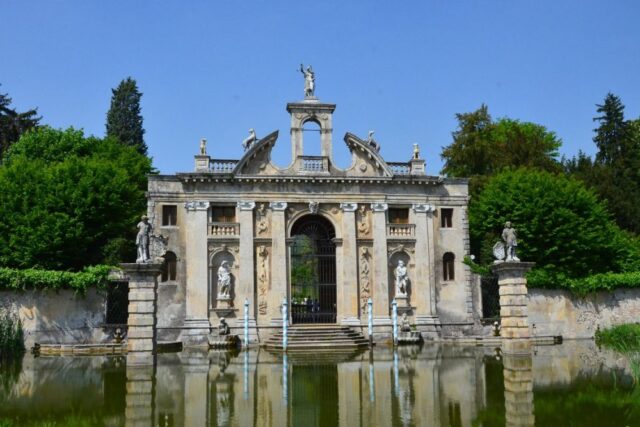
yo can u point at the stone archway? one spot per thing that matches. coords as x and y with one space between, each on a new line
313 270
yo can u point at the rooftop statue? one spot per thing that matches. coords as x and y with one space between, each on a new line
248 141
309 81
203 147
372 142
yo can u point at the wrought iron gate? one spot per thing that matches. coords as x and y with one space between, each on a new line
313 271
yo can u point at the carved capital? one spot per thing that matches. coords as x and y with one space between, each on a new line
423 208
379 206
348 207
196 205
246 205
278 206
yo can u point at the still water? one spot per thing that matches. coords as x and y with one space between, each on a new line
574 384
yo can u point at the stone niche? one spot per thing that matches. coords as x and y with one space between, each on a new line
401 253
217 256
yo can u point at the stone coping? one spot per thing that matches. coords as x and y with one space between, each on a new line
99 349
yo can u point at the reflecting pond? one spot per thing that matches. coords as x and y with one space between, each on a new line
573 384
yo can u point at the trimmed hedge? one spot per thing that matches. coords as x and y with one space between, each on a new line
606 282
16 279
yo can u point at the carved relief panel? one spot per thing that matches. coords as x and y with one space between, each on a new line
364 222
263 277
365 269
262 221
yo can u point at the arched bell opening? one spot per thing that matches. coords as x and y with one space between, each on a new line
313 270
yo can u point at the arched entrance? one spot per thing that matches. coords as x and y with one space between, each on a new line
313 271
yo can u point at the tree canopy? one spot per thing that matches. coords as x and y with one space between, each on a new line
69 201
13 124
124 118
483 147
562 226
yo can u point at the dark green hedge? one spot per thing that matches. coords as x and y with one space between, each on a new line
584 285
96 276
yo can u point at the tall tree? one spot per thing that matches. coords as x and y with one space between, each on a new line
611 135
13 124
124 120
482 147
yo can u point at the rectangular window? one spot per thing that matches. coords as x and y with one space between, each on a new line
169 215
223 214
446 218
398 216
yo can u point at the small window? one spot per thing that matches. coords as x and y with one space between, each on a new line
446 218
448 266
398 216
169 215
223 214
169 268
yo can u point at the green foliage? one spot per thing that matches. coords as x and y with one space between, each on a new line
540 278
623 338
14 124
561 225
47 279
482 147
124 120
11 337
68 200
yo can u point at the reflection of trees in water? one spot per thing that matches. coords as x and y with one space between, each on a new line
9 375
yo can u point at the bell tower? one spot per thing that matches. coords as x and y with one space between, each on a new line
311 110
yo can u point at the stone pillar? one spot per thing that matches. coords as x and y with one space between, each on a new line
196 323
518 383
424 283
141 326
246 285
196 382
513 298
139 410
348 289
279 259
381 304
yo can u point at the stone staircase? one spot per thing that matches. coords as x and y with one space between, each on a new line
318 337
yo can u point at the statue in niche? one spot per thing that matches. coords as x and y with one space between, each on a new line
402 279
223 327
509 237
142 240
248 141
224 280
309 81
203 147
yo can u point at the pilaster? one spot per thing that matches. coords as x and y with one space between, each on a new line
196 326
348 289
381 304
278 259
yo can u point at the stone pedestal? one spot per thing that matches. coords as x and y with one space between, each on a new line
518 383
141 326
513 298
140 395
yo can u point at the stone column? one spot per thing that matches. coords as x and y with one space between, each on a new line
196 323
246 285
513 298
278 261
139 400
195 366
381 304
518 383
141 325
348 289
423 292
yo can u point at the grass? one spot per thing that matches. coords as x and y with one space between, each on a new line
625 339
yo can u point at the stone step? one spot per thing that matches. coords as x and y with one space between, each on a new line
308 338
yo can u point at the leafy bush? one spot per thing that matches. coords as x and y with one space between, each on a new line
47 279
583 285
623 338
11 337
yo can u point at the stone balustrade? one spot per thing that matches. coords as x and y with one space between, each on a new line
224 229
314 164
401 230
399 168
222 166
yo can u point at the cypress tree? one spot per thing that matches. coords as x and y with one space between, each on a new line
124 120
13 124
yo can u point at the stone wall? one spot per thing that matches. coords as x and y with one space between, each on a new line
558 312
59 317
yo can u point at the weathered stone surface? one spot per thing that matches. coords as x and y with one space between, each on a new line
141 319
139 332
142 307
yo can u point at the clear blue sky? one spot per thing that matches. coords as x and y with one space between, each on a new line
215 69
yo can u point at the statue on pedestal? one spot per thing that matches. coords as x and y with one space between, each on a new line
142 240
405 326
223 327
402 279
224 281
309 81
203 147
510 239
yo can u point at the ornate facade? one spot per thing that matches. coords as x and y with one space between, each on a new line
323 238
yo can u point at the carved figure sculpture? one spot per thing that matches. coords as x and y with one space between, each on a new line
416 151
405 326
262 225
313 207
509 237
309 81
142 240
223 327
203 147
363 224
224 280
372 142
402 279
248 141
